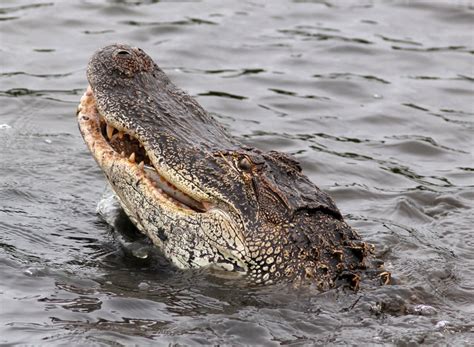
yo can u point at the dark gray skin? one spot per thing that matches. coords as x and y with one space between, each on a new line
275 224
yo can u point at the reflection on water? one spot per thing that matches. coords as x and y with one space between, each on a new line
375 100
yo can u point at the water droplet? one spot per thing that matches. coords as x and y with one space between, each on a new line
143 286
141 253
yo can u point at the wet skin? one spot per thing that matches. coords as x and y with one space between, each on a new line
201 196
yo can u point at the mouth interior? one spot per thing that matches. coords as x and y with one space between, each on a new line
128 146
131 148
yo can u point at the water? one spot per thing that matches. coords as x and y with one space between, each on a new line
375 100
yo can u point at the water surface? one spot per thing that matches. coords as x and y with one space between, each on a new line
374 98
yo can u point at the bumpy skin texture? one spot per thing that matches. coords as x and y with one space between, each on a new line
267 220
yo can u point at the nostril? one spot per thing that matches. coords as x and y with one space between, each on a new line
123 53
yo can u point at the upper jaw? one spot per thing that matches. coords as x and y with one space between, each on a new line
104 139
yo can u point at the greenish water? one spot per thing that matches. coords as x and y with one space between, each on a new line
374 98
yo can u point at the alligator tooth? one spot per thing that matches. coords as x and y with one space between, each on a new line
207 205
120 135
110 131
122 154
141 165
132 157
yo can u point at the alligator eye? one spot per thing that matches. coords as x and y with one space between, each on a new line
123 53
244 164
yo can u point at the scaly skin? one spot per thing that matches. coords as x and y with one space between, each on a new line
254 212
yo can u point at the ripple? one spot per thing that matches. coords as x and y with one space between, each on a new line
15 92
290 93
223 95
98 32
405 41
303 77
126 326
135 2
425 180
437 78
446 118
462 49
44 50
79 304
349 76
5 10
323 37
4 19
226 73
421 145
188 21
16 73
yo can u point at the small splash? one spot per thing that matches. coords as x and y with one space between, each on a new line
5 126
109 207
35 271
143 286
442 324
424 310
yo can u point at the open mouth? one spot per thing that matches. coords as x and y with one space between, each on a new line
126 147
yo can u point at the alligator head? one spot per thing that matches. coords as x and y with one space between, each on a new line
200 195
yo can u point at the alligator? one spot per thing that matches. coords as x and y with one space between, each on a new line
203 197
